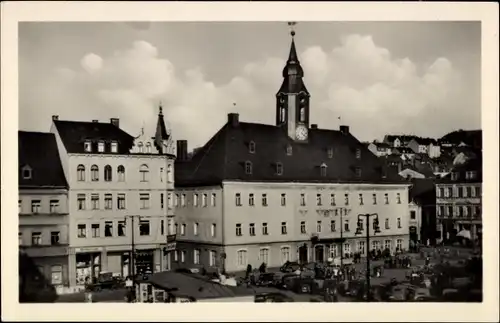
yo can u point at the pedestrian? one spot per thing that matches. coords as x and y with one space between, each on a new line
88 290
262 268
249 270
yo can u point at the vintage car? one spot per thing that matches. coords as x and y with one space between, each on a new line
106 280
274 297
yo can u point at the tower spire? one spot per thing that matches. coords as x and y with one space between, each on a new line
292 57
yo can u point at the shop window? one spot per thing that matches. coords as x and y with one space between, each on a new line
56 274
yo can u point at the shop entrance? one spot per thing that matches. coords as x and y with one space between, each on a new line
144 262
87 265
320 253
303 254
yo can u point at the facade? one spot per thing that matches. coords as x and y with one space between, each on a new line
427 146
423 211
43 206
458 202
379 149
120 194
259 193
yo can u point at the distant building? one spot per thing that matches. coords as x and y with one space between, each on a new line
379 149
427 146
117 183
398 140
459 202
259 193
43 206
423 211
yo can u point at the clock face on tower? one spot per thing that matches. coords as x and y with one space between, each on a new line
301 132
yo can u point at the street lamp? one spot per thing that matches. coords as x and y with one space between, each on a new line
359 230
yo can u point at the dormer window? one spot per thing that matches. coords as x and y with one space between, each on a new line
248 168
279 168
358 153
114 147
87 146
148 147
454 176
322 168
358 172
470 175
251 147
26 172
289 150
100 146
330 152
140 147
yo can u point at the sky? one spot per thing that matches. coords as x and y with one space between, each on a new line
380 78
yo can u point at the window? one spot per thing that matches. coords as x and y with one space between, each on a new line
170 173
195 199
87 146
303 227
279 169
170 200
114 147
248 168
81 200
264 199
251 229
204 200
80 173
82 231
54 206
144 228
346 226
387 227
183 256
398 198
399 244
441 192
460 191
454 176
55 237
450 192
478 191
196 256
361 247
36 206
450 210
237 199
318 199
330 152
144 200
399 223
242 258
121 201
121 173
264 255
148 147
251 147
441 210
357 172
100 147
346 199
121 228
56 274
289 150
212 258
283 228
413 215
264 229
477 211
94 201
251 200
20 206
238 230
213 230
36 238
374 198
212 200
358 153
183 200
162 201
195 228
318 226
386 198
94 173
347 248
96 231
388 244
332 226
302 199
360 199
461 211
140 147
323 170
27 172
144 173
332 199
108 229
20 238
108 173
285 254
183 229
283 199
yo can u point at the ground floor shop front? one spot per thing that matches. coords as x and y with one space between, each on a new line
449 230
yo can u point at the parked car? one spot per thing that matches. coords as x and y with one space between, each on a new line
106 280
272 298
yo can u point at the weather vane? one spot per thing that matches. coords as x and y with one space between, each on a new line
291 24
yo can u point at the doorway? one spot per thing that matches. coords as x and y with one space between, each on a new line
303 254
320 253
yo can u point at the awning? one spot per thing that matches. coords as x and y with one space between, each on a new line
464 234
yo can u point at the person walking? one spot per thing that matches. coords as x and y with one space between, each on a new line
88 290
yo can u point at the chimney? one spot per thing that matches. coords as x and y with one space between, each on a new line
182 147
115 122
344 130
233 119
314 126
55 117
95 121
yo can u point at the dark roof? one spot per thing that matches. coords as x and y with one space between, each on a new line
425 141
161 132
423 190
223 157
74 133
38 151
470 137
473 164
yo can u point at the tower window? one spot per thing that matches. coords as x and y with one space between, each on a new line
282 114
358 172
358 153
330 152
279 169
251 147
26 172
289 150
302 114
248 168
323 169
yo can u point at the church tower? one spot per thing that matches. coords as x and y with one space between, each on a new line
292 99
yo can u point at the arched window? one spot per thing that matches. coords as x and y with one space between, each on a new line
251 147
94 173
148 147
170 173
80 173
323 169
108 173
144 172
248 168
282 114
121 173
140 147
302 114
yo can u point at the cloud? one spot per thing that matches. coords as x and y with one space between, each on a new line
374 92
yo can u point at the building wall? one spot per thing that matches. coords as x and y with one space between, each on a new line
417 221
434 151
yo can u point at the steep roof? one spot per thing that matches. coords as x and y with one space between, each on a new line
74 133
38 151
223 157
